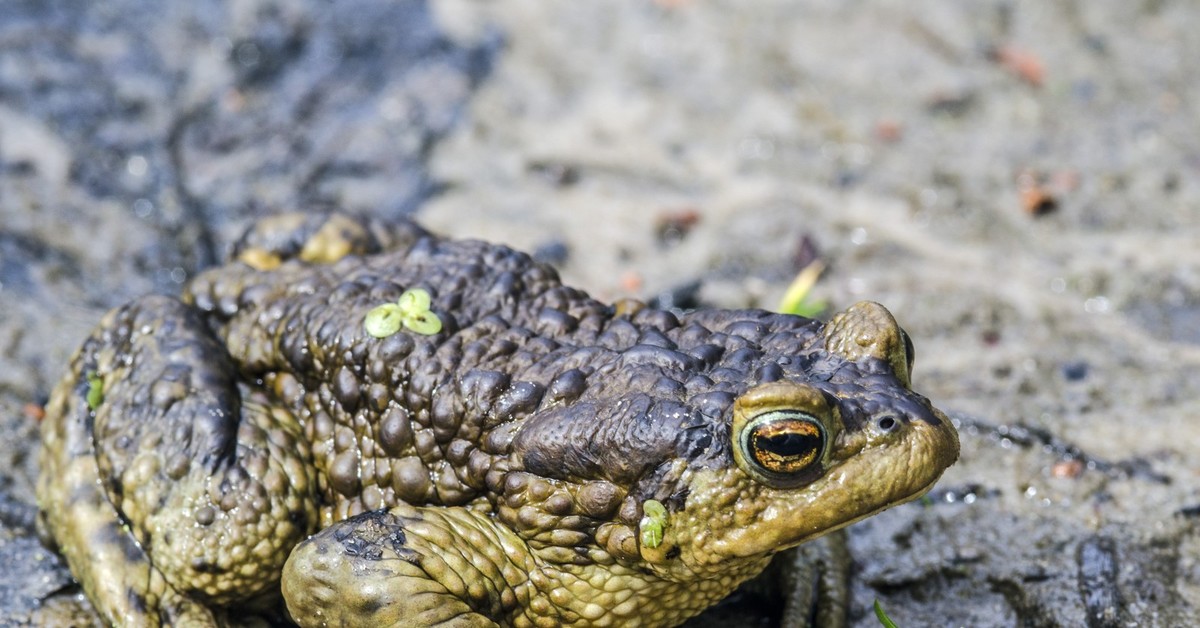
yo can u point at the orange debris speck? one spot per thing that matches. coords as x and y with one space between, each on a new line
889 131
1026 65
34 411
631 281
1066 469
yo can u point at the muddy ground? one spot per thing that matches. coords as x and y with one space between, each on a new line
1019 182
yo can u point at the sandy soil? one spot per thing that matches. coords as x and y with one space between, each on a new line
912 144
1017 181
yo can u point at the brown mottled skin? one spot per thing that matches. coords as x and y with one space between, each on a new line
253 439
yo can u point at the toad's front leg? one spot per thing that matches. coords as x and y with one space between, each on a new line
408 567
451 566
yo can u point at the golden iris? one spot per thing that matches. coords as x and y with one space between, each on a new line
785 442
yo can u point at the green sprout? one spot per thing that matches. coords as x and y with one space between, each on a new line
424 323
414 301
796 299
95 391
384 320
410 311
882 616
653 523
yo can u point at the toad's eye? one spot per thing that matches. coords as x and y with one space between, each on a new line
782 433
783 442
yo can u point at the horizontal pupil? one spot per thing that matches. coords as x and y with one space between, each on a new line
790 444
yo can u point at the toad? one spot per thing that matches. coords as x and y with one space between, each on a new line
527 456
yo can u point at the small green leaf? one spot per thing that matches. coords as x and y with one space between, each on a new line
95 391
882 616
384 320
426 323
653 523
414 301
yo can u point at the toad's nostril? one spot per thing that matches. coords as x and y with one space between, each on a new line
887 423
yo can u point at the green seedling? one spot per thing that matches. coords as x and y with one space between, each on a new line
95 390
882 616
796 299
411 311
653 523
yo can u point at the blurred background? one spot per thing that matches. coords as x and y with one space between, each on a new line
1018 181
